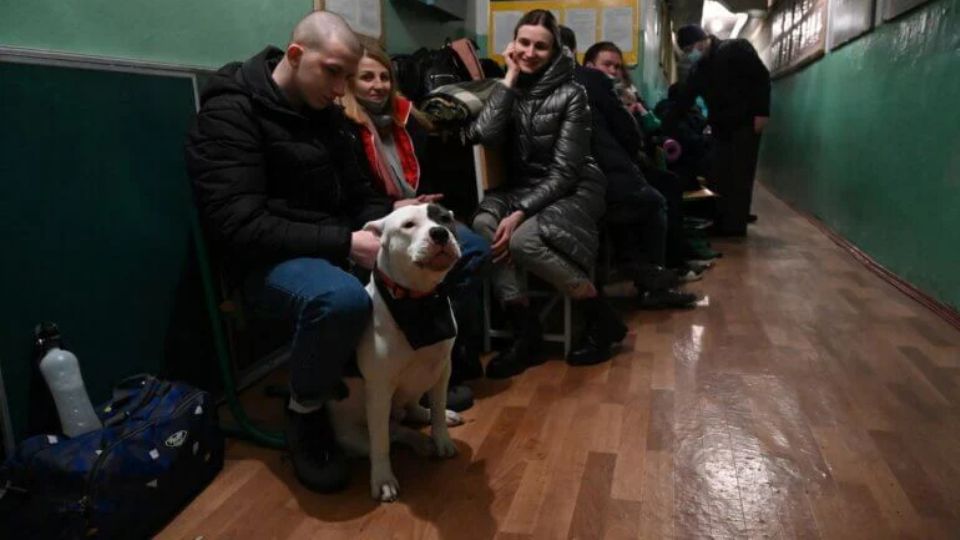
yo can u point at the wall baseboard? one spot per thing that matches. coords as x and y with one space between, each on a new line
944 311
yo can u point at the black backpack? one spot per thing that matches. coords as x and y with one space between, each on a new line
426 69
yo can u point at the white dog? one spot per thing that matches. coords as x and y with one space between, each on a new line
405 352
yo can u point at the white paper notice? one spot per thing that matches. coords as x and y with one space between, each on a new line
368 18
618 27
583 22
503 23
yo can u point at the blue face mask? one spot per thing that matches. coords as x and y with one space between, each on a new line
694 56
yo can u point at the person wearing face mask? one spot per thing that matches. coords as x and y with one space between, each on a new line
543 219
735 85
383 121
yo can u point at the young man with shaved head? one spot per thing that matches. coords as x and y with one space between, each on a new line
283 198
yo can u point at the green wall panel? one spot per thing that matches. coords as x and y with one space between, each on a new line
648 74
206 33
868 140
95 210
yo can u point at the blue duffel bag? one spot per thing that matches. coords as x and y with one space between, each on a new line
160 445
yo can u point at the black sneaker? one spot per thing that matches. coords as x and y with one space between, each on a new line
318 461
604 331
514 360
591 350
666 299
687 274
655 278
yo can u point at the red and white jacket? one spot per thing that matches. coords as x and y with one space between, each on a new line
404 144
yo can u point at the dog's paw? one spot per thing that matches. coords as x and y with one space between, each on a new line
443 447
384 488
454 419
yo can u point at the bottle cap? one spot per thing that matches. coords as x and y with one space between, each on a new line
46 336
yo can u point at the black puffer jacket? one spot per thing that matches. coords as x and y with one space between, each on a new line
552 175
733 82
274 183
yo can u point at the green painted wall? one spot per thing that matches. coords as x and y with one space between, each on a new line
647 74
95 210
207 33
409 27
203 33
868 140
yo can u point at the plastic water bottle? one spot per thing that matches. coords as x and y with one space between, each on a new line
62 372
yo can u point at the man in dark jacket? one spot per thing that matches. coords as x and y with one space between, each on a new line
735 85
283 198
636 213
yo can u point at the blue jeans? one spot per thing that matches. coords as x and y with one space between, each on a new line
474 256
329 309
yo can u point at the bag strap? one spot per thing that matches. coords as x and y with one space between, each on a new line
129 395
468 57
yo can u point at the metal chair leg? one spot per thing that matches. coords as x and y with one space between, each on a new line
245 428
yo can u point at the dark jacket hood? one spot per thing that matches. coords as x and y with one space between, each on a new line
252 78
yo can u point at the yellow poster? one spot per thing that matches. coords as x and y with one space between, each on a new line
591 20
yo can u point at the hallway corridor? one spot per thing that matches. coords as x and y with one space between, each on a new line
807 399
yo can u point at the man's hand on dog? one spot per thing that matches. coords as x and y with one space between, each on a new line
364 246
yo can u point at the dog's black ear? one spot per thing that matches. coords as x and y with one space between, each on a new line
440 215
376 227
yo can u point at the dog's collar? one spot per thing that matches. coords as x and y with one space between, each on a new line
396 290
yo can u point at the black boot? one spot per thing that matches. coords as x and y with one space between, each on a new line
318 461
603 331
465 361
651 277
524 351
666 299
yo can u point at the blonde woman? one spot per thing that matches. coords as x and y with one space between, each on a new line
383 119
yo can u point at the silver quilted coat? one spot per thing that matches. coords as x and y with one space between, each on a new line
552 174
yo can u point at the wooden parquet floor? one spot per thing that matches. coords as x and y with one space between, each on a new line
807 399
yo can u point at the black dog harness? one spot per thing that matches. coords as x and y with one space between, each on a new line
424 317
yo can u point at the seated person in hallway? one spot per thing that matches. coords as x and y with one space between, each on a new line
606 57
735 85
636 213
382 121
544 218
689 132
282 195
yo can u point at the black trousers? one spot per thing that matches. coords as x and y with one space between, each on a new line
636 220
671 187
734 167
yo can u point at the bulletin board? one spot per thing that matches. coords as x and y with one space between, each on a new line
798 32
591 20
850 19
365 17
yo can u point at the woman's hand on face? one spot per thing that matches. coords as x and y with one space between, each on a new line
501 239
513 70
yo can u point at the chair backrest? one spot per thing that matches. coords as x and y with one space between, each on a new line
490 167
